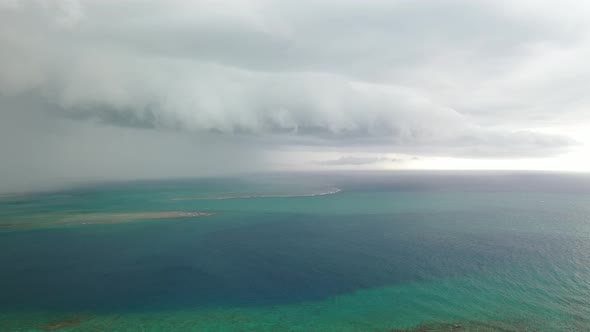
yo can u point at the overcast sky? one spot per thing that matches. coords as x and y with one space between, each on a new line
120 89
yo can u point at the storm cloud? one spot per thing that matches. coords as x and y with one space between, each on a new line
178 88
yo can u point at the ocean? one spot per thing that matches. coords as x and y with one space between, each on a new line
358 251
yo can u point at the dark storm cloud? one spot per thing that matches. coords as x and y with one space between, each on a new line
444 78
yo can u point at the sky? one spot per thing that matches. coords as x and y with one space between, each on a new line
129 89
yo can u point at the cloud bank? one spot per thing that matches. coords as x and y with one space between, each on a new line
189 81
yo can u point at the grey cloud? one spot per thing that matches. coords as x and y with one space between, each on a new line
40 151
442 78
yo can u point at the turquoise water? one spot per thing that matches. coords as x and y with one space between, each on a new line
389 251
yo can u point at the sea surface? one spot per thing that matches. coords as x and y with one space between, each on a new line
381 251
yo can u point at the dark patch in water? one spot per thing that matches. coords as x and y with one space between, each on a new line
70 322
441 327
469 326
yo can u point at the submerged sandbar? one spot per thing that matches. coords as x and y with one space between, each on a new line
323 193
105 218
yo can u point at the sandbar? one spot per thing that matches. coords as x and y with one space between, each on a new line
330 192
105 218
